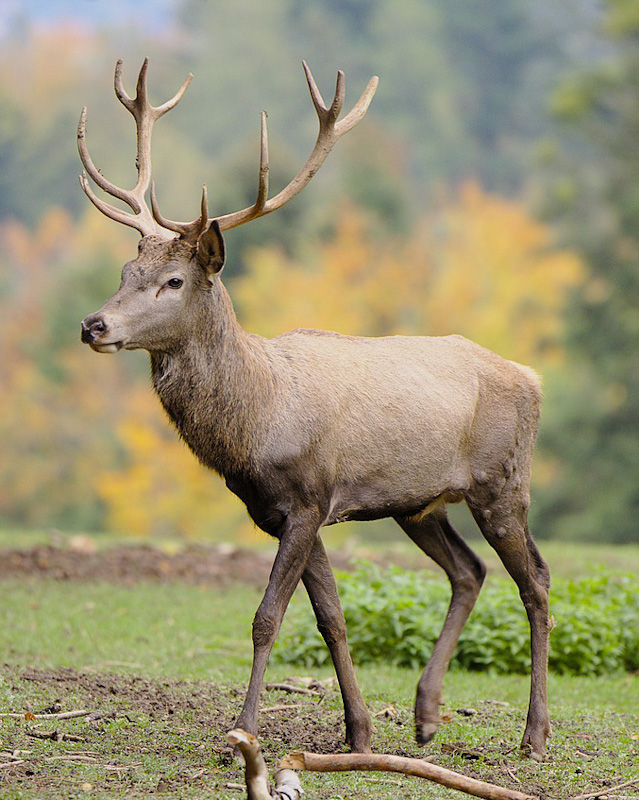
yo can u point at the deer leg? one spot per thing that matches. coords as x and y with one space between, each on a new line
322 591
438 539
503 523
296 544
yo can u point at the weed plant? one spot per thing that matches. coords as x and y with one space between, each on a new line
395 615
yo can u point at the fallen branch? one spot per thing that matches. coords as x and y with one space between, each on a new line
123 767
29 715
15 754
288 687
79 758
407 766
56 736
607 791
287 784
390 712
280 707
12 758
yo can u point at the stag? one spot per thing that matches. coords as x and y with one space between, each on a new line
311 427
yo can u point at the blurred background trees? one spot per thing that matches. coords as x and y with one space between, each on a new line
593 412
491 191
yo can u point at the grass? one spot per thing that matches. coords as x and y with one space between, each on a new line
168 630
164 664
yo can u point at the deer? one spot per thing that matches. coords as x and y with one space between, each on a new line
311 428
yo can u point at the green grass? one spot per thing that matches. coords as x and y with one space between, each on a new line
176 641
178 631
161 630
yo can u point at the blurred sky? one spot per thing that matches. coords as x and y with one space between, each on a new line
154 13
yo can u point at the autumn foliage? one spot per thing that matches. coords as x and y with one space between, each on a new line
85 443
480 265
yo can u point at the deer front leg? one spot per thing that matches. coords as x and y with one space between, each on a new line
322 591
296 544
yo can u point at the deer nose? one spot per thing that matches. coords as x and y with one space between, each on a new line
93 327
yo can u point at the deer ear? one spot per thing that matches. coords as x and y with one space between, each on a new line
210 249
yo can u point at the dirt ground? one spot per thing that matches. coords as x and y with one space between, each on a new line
202 564
141 737
212 565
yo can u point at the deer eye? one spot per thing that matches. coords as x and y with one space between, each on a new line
174 283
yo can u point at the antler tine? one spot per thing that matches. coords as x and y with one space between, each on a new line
359 109
340 95
316 95
330 131
118 85
145 115
132 220
142 112
189 231
141 102
161 110
324 113
262 188
94 172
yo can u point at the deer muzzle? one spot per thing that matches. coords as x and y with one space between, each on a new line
95 333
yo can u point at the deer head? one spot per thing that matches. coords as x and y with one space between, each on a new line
178 263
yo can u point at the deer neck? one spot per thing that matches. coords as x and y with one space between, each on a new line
217 388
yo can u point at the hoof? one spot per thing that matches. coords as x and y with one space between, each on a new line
360 742
536 754
359 747
533 743
425 731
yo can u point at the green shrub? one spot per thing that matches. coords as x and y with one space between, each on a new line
395 615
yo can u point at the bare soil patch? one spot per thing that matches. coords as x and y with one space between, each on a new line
147 738
142 736
220 565
217 566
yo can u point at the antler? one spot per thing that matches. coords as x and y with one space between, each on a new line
330 130
149 221
145 115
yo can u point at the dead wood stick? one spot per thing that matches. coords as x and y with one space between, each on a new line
15 755
407 766
288 687
605 792
256 774
280 707
287 784
76 757
62 715
56 736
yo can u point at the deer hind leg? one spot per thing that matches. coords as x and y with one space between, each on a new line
320 584
438 539
502 520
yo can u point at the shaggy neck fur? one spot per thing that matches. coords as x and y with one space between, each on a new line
218 387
